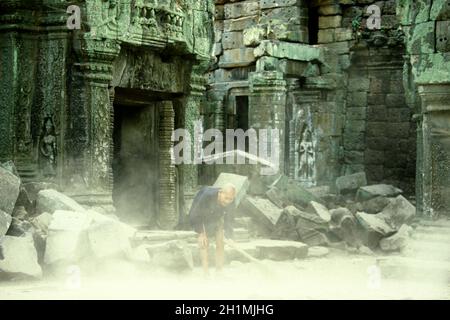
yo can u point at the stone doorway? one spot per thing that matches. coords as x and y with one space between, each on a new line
135 161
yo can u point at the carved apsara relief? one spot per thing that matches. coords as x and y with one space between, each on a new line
304 148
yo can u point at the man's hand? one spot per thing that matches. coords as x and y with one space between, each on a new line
203 240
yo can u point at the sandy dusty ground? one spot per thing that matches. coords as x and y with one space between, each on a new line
337 276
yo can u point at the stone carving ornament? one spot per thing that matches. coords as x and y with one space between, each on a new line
48 149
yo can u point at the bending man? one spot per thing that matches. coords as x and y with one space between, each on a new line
211 216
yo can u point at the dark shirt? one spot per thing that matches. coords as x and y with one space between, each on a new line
206 211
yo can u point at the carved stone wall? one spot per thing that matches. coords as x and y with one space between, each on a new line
57 85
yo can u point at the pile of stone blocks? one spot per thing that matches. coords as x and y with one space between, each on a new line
332 215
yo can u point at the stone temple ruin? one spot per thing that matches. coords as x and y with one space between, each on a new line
363 115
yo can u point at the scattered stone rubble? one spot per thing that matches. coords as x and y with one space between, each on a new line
43 230
361 217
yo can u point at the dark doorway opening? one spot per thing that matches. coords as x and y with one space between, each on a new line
313 25
135 163
242 120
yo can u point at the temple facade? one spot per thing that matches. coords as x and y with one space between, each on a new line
351 86
92 109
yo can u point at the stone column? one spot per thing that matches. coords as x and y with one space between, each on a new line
91 121
267 106
8 85
435 166
168 217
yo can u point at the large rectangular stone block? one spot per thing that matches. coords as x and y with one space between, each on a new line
268 4
236 58
293 51
240 23
240 182
263 211
330 10
326 22
232 40
241 9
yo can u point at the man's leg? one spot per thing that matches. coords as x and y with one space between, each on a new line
220 247
203 245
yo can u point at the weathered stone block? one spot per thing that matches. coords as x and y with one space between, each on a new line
378 190
376 129
354 157
241 183
293 68
375 205
399 130
350 183
20 257
281 250
286 227
288 50
241 9
326 22
400 211
5 222
294 191
240 23
67 239
398 241
9 190
377 113
374 223
357 114
343 34
217 49
357 99
395 100
354 141
108 238
52 200
268 4
330 10
289 32
359 84
253 36
236 58
232 40
263 211
326 36
320 210
219 12
293 15
355 126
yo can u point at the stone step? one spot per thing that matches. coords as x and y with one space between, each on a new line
159 236
155 236
260 249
